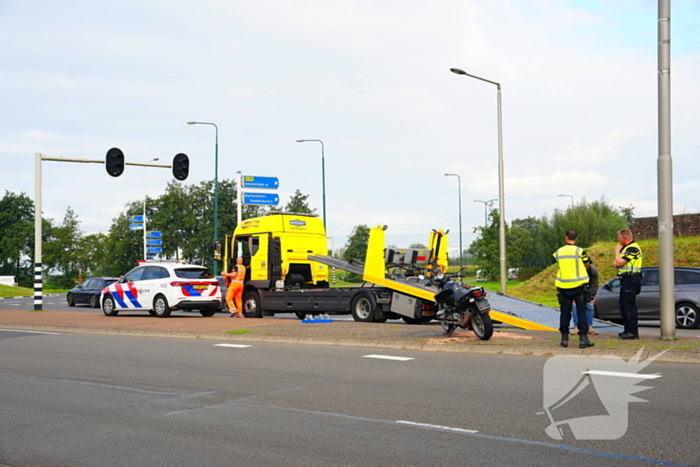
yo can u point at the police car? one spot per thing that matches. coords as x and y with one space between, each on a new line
160 287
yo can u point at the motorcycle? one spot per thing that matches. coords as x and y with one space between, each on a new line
463 306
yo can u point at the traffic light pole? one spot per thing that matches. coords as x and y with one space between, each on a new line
38 267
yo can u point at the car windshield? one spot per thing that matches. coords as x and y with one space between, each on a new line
110 282
193 273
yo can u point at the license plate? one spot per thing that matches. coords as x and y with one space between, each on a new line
201 287
483 304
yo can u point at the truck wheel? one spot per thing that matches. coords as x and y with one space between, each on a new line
362 309
300 314
251 305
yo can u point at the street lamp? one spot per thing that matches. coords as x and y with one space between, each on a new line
501 196
145 248
486 204
323 176
216 184
459 187
572 200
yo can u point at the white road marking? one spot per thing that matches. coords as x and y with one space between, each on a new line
31 332
439 427
623 375
388 357
236 346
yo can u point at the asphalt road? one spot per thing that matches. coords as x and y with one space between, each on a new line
57 302
71 399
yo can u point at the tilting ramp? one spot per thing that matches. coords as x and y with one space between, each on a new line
355 267
533 316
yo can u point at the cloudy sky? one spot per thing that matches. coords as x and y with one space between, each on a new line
368 77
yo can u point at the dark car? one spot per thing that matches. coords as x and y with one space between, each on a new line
687 297
223 307
89 291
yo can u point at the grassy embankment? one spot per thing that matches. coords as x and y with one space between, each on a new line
9 291
540 288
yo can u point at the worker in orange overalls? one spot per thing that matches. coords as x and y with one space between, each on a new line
234 293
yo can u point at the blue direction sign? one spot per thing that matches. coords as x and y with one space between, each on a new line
154 242
154 234
134 219
135 226
261 198
267 183
154 250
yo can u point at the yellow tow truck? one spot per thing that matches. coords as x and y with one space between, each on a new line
288 266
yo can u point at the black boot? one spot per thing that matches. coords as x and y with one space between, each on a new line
583 342
564 340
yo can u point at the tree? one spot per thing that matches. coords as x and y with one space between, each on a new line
485 249
298 203
595 222
17 237
61 249
356 248
418 246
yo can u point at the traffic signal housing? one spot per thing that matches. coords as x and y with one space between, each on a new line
114 162
181 166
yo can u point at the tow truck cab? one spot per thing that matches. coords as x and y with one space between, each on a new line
276 248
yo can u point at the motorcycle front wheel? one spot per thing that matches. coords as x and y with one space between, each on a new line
448 326
482 325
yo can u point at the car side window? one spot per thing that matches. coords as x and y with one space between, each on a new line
686 277
150 273
615 283
651 278
134 276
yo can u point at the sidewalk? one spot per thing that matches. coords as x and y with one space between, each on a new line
426 337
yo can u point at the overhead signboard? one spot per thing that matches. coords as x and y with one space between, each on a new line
264 183
270 199
135 226
134 219
154 242
154 250
154 234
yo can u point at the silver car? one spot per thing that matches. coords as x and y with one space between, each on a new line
687 297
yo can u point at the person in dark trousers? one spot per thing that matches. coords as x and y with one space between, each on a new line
590 294
571 281
628 261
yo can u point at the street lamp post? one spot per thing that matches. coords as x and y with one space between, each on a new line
486 204
216 185
323 176
501 196
572 200
145 248
459 190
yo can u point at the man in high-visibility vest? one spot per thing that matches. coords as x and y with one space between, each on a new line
628 261
234 293
571 281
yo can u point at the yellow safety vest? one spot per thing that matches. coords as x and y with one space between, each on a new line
572 272
634 265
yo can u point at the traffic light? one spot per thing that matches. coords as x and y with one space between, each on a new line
217 250
114 162
181 166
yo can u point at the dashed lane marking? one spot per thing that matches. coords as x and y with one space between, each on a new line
388 357
236 346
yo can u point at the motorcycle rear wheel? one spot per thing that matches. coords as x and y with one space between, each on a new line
482 325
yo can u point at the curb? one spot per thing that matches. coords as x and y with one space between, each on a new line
670 356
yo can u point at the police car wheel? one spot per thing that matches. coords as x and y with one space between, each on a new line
94 301
206 312
161 307
108 307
